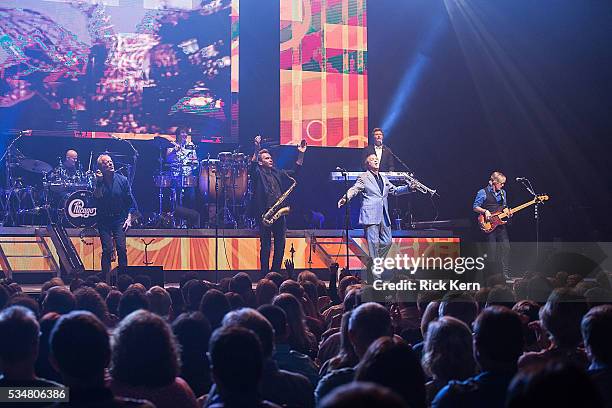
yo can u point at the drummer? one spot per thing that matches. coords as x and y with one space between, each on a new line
183 160
68 169
182 156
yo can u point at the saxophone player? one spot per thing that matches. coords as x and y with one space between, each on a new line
268 184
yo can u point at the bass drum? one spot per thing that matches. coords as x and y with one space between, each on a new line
79 209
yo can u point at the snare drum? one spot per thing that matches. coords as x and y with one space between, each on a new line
79 209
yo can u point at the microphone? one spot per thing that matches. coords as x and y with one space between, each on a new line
521 178
116 137
341 169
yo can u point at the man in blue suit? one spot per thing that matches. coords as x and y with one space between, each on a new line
374 214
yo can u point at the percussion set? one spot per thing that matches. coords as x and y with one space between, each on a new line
217 185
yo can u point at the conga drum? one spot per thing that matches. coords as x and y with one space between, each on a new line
208 178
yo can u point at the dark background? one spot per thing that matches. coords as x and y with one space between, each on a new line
515 85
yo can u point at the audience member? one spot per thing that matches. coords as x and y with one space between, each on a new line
19 341
112 302
459 305
300 338
58 299
286 358
554 385
498 342
88 299
160 302
367 323
236 362
560 318
192 332
214 306
21 299
43 366
362 395
265 292
145 362
447 354
390 362
131 300
597 335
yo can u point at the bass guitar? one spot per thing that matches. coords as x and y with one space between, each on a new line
497 218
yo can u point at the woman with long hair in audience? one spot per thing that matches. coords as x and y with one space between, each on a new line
145 362
300 337
390 362
447 353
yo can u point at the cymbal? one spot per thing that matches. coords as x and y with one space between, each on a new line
35 166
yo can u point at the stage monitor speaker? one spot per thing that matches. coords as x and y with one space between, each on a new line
155 273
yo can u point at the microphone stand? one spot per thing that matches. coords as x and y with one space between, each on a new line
216 228
7 154
347 217
132 171
527 184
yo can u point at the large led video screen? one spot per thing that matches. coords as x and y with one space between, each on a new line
323 72
128 67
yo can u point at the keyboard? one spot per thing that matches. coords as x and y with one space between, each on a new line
352 175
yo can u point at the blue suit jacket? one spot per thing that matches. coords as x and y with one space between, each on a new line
373 200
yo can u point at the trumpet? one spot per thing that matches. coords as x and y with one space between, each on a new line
417 185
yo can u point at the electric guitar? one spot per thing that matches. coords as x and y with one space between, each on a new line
497 218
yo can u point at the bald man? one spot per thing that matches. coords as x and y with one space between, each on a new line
115 205
68 170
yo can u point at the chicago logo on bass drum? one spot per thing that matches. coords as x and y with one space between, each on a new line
77 209
80 209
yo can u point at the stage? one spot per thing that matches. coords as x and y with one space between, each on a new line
26 252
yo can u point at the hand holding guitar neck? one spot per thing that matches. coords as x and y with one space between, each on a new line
488 224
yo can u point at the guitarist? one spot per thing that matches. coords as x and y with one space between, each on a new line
489 200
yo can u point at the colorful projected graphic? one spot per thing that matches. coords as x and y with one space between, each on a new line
323 72
119 66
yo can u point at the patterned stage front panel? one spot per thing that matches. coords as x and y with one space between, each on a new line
194 253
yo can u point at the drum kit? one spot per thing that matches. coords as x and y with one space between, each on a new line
51 195
219 187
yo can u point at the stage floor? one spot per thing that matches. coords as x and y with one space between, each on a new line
194 249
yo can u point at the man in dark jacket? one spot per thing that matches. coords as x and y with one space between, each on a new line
382 152
114 207
268 184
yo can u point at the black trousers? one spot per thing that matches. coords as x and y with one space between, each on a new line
499 251
278 230
111 228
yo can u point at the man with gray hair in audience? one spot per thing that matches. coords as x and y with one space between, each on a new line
367 323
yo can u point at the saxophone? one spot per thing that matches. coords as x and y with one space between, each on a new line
276 211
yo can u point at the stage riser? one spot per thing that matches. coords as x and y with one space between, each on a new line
197 253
